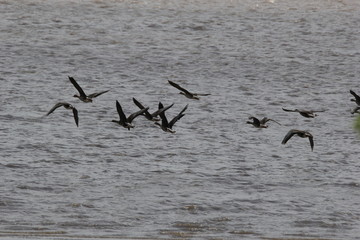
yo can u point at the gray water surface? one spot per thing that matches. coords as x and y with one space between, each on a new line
216 177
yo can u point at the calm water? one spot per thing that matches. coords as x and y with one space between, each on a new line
217 177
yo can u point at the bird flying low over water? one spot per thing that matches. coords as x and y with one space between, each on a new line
83 97
67 106
356 99
151 116
302 134
260 123
186 93
126 121
304 113
167 126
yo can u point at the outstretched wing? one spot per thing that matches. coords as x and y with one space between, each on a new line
355 95
265 120
161 110
288 110
255 122
93 95
311 142
77 86
147 114
121 113
76 117
135 114
55 107
180 115
164 121
178 87
202 94
289 135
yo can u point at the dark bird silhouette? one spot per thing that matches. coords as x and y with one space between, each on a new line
260 123
67 106
126 121
356 110
302 134
167 126
356 99
304 113
151 116
83 97
186 93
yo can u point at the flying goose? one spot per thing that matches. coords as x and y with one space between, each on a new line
302 134
260 123
83 97
126 121
67 106
186 93
304 113
167 126
151 116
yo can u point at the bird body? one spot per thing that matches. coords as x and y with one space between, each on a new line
300 133
186 93
67 106
83 97
124 121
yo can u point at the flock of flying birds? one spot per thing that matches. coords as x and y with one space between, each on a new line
167 126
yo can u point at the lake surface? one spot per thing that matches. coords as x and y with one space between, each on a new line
216 177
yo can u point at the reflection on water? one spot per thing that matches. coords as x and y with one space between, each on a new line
216 177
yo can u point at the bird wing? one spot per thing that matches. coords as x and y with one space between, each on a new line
135 114
76 116
77 86
175 119
311 142
121 113
202 94
265 120
180 115
288 110
164 121
55 107
161 110
147 114
289 135
357 97
178 87
97 94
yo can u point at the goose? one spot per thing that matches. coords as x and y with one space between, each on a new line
167 126
304 113
126 121
186 93
300 133
151 116
83 97
67 106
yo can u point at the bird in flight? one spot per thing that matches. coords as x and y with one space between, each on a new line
302 134
356 99
126 121
186 93
83 97
167 126
67 106
304 113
